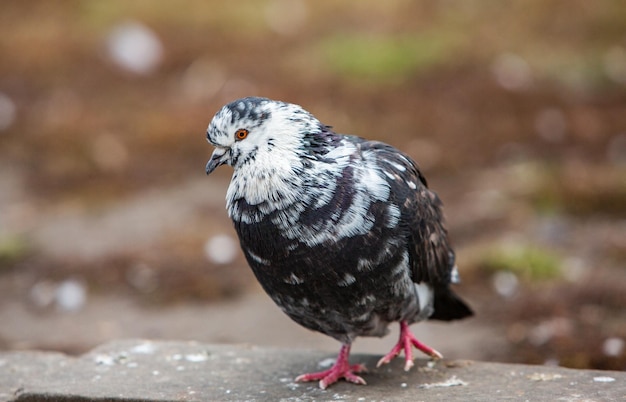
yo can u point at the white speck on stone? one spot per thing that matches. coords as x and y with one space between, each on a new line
221 249
71 295
145 348
603 379
132 365
104 360
7 111
177 356
613 346
545 376
121 358
180 368
134 47
196 357
505 283
155 372
404 385
293 386
326 362
450 382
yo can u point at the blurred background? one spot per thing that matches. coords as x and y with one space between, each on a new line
515 111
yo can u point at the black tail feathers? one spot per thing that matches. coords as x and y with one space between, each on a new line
448 306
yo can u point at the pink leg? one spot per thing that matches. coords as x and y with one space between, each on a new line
406 341
341 369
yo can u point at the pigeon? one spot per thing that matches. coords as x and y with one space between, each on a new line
342 233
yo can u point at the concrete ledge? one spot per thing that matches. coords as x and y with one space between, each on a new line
140 370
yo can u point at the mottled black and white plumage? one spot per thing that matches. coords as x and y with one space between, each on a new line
342 233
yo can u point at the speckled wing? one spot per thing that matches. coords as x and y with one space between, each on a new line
432 259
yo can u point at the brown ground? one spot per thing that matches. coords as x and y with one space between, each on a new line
516 113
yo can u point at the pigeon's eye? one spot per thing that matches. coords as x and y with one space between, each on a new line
241 134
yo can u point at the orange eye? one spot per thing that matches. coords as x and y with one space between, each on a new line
241 134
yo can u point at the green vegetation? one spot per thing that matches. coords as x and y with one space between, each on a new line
526 261
12 248
386 59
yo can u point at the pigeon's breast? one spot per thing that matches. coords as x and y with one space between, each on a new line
333 253
329 273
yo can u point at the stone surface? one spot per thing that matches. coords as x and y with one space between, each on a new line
140 370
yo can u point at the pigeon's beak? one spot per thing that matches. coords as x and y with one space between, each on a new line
220 156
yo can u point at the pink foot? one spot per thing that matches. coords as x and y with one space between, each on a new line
341 369
406 341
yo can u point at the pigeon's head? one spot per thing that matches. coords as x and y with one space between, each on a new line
258 132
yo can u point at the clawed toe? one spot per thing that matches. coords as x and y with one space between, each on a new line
341 369
405 343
